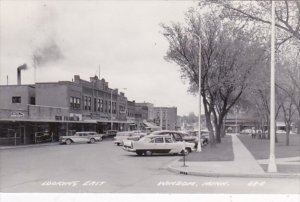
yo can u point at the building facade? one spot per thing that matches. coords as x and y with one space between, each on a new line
28 112
166 117
48 110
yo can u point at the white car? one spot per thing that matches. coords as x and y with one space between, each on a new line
128 135
81 137
247 131
159 144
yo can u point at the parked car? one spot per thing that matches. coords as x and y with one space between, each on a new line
81 137
134 135
158 144
246 131
204 136
40 137
110 133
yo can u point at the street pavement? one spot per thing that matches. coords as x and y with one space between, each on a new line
106 168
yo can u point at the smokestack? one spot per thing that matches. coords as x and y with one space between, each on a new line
22 67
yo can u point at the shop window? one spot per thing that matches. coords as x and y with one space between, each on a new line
16 99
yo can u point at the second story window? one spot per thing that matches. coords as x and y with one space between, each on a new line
105 106
101 105
98 105
32 100
74 103
16 99
85 103
89 103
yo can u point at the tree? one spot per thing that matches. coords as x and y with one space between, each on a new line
287 14
228 57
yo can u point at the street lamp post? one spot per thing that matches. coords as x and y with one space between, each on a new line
272 164
199 149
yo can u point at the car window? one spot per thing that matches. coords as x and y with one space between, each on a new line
159 140
177 137
168 140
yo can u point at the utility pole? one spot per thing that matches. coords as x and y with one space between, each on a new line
272 164
199 149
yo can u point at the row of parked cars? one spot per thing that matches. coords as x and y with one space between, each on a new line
86 137
143 142
159 142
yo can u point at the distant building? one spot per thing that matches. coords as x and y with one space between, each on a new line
166 117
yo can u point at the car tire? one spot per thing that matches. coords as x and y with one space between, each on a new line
188 150
184 152
68 142
92 140
139 153
118 144
148 153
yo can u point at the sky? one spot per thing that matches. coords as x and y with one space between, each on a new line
66 38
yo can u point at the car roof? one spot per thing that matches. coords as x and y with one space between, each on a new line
154 135
167 131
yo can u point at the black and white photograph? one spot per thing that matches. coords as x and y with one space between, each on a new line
175 100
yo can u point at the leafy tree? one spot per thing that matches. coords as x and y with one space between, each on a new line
228 57
259 12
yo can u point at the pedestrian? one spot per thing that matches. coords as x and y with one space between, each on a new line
259 134
253 133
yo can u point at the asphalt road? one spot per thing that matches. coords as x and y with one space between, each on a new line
106 168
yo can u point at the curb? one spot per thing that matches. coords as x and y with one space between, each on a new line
28 146
245 175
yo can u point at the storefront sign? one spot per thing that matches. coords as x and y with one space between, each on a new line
17 115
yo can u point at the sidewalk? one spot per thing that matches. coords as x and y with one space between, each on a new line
29 145
243 165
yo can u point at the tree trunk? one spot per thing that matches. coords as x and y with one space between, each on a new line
207 111
276 139
209 126
223 133
288 129
212 140
218 133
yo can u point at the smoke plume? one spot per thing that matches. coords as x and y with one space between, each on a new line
23 67
47 53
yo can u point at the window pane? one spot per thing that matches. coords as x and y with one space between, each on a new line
168 140
159 140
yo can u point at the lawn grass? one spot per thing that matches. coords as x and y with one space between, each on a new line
260 148
222 152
